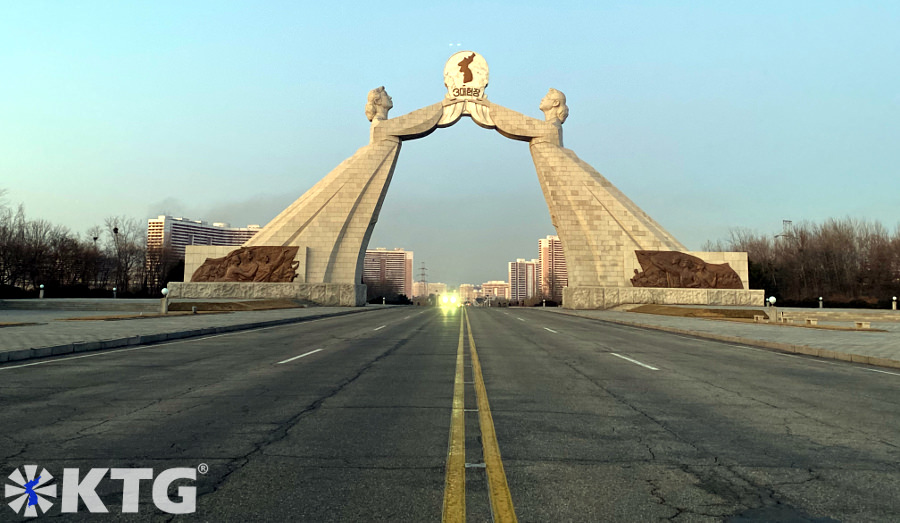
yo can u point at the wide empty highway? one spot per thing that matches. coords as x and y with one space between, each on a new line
412 414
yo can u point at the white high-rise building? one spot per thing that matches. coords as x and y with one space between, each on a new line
177 233
389 270
523 282
553 273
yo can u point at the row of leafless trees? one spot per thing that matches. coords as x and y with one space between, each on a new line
37 252
842 261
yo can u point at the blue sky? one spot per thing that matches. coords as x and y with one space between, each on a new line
709 115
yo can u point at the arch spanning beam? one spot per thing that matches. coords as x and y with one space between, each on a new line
601 230
332 223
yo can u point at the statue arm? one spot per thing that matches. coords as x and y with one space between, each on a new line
516 125
415 124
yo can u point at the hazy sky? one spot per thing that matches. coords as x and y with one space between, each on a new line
709 115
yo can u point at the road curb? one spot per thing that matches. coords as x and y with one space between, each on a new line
147 339
774 345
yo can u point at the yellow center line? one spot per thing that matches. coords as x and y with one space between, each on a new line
501 499
455 479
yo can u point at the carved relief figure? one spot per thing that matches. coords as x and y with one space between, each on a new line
672 269
250 264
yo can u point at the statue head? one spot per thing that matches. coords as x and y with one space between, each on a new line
378 104
554 106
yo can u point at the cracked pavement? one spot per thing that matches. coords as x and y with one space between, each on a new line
358 431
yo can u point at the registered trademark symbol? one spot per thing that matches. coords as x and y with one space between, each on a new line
203 468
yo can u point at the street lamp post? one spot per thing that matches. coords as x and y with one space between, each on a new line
164 303
118 259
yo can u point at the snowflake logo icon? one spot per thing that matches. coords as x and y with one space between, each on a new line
30 491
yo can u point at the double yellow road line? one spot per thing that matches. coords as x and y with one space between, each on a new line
455 479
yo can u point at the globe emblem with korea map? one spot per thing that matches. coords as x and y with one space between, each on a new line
466 75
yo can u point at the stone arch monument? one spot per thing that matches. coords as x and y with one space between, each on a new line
615 252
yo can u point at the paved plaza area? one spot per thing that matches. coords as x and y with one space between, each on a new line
50 331
880 342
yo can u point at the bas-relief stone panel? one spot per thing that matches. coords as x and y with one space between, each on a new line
608 297
737 261
332 294
195 255
251 264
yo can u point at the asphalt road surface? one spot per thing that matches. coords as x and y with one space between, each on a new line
356 418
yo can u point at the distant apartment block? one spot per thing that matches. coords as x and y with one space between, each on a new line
177 233
469 292
389 271
523 279
553 275
495 289
426 288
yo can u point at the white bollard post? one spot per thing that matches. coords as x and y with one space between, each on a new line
41 295
164 303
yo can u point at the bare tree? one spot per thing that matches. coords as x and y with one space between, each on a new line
126 245
840 260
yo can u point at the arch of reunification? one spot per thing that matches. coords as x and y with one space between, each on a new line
615 253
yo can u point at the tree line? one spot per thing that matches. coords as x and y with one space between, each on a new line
844 261
35 252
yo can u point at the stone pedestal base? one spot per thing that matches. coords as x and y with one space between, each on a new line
608 297
331 294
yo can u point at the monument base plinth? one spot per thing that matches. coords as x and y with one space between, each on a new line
330 294
609 297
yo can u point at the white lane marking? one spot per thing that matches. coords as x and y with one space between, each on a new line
379 328
883 372
407 317
298 357
520 319
746 348
551 330
633 361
